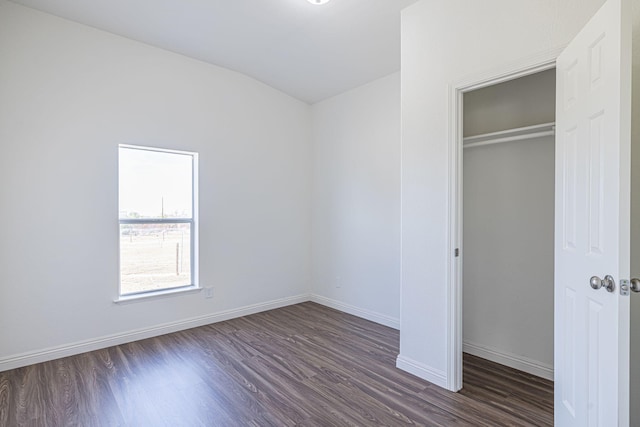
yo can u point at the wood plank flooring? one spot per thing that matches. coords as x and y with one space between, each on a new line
303 365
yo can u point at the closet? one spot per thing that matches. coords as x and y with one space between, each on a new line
508 223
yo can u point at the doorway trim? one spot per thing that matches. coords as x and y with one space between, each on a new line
525 67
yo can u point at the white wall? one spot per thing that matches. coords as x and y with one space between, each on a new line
527 101
356 204
508 253
486 36
69 95
635 218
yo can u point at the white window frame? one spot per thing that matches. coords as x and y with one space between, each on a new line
193 221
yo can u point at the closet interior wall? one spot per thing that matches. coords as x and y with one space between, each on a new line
508 223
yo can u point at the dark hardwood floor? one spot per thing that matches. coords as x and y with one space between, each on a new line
303 365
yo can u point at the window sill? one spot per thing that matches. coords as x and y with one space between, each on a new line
157 294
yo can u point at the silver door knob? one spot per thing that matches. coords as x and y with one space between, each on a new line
608 283
635 285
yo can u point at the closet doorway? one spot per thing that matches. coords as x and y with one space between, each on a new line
508 223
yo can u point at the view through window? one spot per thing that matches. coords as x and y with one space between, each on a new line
157 226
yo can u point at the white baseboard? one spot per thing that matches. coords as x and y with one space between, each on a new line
45 355
52 353
382 319
515 361
420 370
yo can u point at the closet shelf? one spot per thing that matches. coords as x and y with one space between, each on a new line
518 134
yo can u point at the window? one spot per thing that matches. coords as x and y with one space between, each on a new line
158 230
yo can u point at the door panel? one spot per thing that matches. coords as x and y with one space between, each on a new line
592 221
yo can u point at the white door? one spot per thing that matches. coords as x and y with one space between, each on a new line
593 115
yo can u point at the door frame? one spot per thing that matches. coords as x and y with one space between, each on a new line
525 67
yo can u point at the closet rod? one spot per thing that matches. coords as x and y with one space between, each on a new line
519 134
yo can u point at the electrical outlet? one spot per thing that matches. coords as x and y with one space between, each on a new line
338 282
208 292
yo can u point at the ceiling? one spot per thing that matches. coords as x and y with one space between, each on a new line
308 51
